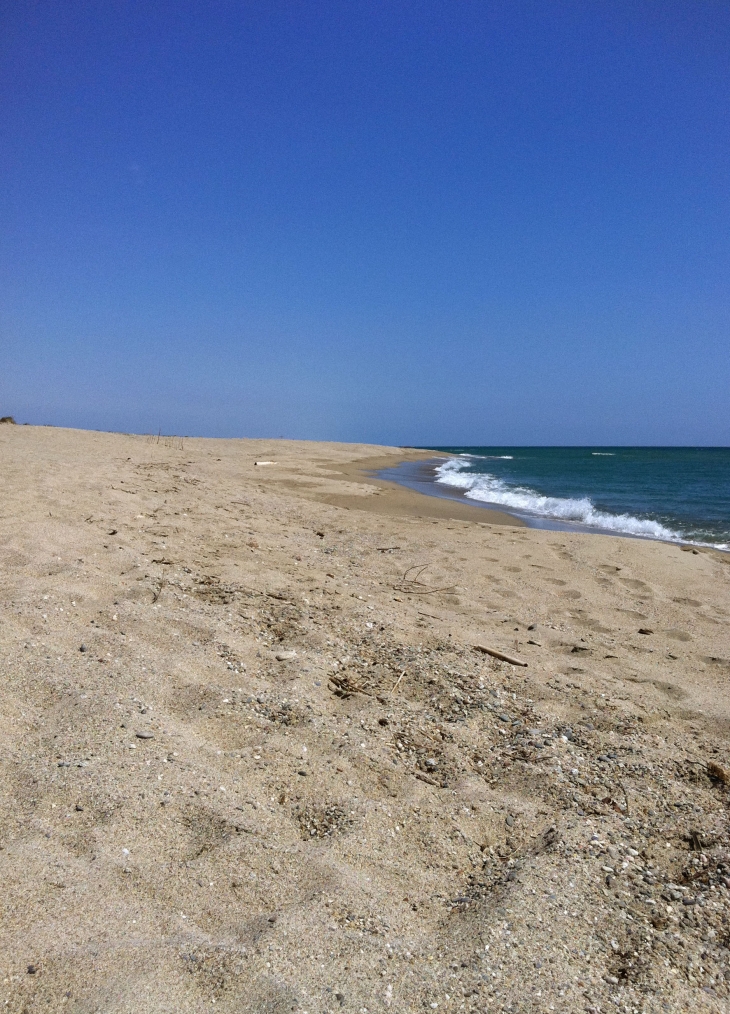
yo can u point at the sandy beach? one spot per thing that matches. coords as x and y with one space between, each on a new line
252 757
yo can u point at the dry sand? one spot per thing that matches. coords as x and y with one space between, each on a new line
251 760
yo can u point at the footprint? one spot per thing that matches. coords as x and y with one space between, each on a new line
687 602
671 690
632 582
555 580
571 593
593 624
678 635
206 830
715 660
608 568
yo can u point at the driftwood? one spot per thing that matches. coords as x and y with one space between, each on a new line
499 654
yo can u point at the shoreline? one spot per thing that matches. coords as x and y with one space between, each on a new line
398 500
423 482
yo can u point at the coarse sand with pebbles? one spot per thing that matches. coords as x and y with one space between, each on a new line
252 759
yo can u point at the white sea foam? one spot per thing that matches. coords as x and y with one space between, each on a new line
491 489
603 454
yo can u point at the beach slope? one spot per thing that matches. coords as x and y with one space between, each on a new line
254 758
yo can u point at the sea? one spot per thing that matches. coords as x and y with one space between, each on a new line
674 494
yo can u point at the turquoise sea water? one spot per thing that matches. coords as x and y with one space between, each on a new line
672 493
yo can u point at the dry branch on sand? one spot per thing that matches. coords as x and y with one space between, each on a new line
414 585
502 656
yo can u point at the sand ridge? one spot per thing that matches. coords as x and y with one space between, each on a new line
251 760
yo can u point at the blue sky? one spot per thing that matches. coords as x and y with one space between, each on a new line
431 223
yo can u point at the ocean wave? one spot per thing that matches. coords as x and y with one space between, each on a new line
603 454
491 489
488 457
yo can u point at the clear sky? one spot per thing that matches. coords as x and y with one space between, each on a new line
425 223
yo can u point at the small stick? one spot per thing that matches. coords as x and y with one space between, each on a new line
427 778
500 655
398 681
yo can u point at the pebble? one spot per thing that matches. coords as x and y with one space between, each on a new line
285 656
503 717
145 735
509 820
83 648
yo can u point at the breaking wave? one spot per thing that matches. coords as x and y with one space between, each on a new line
491 489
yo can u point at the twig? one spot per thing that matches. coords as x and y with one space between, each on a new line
499 654
427 778
417 580
345 688
414 585
398 681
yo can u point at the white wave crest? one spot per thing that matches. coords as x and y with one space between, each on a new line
488 457
491 489
603 454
